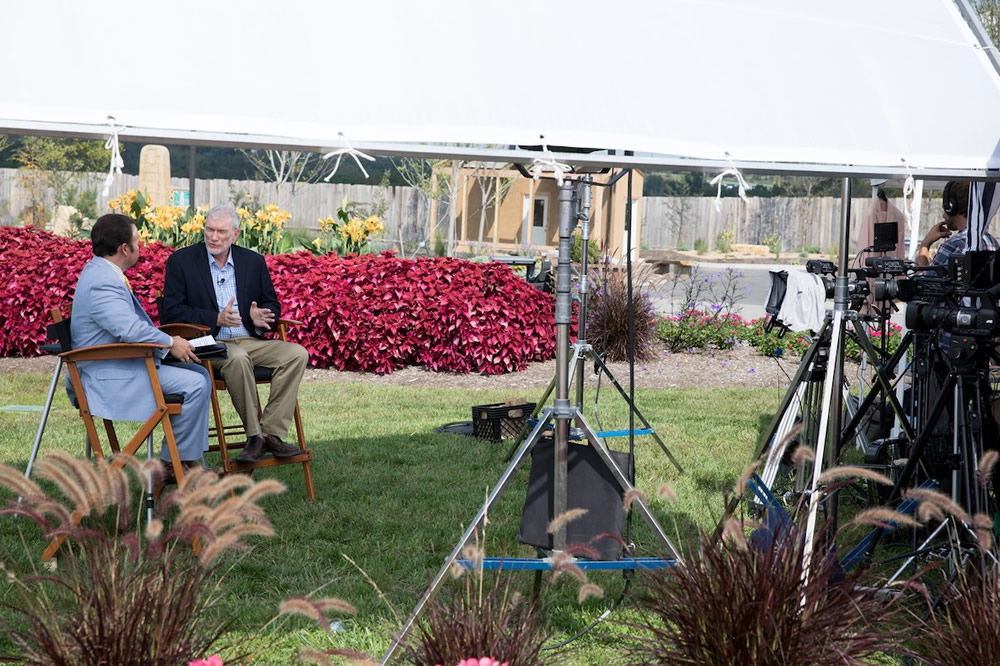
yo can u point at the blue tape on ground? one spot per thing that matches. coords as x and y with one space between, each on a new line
536 564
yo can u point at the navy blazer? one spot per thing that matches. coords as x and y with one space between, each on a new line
189 295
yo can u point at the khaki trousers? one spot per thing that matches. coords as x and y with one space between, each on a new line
287 360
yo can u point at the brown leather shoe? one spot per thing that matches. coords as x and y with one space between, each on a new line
279 449
253 451
169 478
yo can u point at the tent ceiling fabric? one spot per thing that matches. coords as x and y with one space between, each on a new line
848 86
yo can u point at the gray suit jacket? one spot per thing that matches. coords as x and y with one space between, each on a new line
104 312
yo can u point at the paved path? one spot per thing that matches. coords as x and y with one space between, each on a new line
755 283
754 280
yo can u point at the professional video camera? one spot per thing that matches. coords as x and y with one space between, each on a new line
962 300
857 287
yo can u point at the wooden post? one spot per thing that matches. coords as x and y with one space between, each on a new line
496 212
432 212
465 208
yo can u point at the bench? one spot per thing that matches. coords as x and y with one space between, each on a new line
673 266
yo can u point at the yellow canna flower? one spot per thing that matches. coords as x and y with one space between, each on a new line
318 242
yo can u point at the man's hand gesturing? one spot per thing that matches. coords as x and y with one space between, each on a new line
261 317
228 316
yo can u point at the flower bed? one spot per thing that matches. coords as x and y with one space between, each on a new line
368 313
697 329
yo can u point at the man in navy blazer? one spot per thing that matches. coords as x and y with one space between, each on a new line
105 311
228 288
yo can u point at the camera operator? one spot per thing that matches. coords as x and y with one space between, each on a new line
954 228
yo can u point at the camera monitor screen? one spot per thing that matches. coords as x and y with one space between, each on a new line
885 235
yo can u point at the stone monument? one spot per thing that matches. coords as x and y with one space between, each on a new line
154 174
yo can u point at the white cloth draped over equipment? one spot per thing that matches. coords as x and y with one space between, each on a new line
804 305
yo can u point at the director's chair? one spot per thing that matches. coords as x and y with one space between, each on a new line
166 405
224 433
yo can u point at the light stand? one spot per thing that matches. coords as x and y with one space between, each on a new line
568 422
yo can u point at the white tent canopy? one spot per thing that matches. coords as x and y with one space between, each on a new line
866 87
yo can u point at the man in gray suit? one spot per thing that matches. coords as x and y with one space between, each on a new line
105 311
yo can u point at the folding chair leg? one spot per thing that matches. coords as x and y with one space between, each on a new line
309 480
44 419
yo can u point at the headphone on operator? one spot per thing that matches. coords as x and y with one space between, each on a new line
949 199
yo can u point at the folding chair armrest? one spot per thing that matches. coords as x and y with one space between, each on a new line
115 351
283 325
185 330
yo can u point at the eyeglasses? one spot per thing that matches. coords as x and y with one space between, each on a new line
221 281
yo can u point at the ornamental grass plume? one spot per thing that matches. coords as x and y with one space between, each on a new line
962 626
608 314
123 593
733 604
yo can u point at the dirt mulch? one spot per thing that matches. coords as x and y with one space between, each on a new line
740 367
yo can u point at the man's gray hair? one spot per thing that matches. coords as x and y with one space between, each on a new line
224 211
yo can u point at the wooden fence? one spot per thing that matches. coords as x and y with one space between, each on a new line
667 222
799 223
405 216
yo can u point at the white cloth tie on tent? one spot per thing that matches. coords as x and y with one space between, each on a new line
540 165
116 157
804 306
908 186
349 150
717 181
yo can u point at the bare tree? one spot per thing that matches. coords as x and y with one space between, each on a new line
989 15
492 190
285 166
428 178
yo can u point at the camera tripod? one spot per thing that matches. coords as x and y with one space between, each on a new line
566 420
800 412
952 391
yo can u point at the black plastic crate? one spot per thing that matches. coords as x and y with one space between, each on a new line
498 421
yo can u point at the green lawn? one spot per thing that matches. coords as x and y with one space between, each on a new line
394 496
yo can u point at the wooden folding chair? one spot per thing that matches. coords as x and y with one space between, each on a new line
166 405
225 434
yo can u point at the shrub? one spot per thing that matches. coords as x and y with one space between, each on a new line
724 241
894 336
741 603
170 225
381 313
715 292
482 618
348 232
371 313
700 246
773 343
576 252
121 594
608 314
695 329
773 244
38 271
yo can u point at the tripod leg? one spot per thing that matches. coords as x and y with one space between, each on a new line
883 387
789 404
635 410
476 522
830 395
625 484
